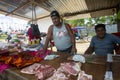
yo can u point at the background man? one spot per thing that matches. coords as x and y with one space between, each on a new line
102 43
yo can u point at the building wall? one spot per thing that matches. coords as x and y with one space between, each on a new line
111 28
44 24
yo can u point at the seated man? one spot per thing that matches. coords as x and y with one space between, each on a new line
102 43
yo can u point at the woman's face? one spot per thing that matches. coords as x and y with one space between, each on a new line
55 20
100 32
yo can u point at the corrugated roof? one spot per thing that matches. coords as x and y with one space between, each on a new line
73 8
69 9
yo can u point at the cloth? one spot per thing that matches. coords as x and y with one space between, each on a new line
61 37
105 46
3 67
30 35
33 33
79 58
36 31
37 53
51 57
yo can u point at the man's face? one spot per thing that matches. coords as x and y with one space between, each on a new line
55 20
100 32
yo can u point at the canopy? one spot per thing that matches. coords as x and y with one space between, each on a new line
69 9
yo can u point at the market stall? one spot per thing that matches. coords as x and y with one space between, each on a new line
94 65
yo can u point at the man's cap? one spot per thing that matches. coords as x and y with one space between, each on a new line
54 13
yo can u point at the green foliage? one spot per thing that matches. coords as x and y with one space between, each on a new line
89 22
118 15
3 36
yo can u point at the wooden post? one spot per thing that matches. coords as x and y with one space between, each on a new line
118 17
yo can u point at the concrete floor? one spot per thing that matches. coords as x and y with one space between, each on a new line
81 46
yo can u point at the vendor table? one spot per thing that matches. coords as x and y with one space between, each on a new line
95 66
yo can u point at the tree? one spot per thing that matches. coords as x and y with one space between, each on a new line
90 22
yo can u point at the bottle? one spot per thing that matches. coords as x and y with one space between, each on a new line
33 42
108 75
30 42
109 72
37 41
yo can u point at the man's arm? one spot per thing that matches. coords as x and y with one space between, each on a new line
72 38
48 38
90 50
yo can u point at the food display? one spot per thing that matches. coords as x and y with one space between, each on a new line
83 76
30 69
65 71
20 60
41 71
4 52
25 61
29 61
44 71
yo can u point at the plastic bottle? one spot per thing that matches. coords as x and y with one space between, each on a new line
30 42
108 75
37 41
33 42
